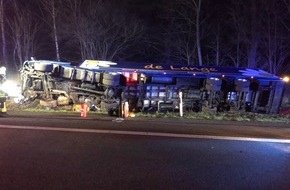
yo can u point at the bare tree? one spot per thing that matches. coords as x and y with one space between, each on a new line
214 37
253 34
216 46
186 16
245 21
23 32
100 33
274 43
3 36
236 52
184 44
197 6
50 7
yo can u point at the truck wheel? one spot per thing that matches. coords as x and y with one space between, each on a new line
111 77
47 67
108 82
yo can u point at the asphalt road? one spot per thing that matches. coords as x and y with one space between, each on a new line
69 152
163 125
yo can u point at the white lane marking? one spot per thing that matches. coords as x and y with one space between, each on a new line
141 133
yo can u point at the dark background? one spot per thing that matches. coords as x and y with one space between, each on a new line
244 33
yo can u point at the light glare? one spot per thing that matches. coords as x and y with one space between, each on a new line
286 79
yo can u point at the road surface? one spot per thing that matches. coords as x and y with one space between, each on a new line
50 152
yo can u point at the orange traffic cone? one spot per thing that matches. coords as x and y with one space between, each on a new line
126 109
84 109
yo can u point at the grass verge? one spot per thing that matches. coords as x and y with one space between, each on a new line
204 115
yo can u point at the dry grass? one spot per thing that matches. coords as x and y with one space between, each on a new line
225 116
206 114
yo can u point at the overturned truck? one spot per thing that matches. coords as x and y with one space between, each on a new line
148 87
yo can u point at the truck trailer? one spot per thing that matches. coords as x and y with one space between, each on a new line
151 87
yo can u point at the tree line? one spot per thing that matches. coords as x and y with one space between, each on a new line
234 33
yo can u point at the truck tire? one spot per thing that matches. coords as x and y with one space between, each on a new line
47 67
98 77
108 82
111 77
114 80
90 77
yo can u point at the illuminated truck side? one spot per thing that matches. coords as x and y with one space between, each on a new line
152 87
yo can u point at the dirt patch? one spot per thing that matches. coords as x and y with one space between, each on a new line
34 105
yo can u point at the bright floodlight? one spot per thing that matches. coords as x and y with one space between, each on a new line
11 88
286 79
2 70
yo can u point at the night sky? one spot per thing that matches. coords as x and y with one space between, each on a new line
232 32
